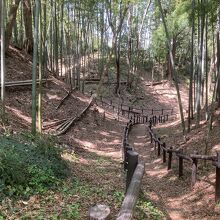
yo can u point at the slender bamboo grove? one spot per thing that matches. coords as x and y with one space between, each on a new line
174 39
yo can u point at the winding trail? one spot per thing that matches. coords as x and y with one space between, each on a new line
173 196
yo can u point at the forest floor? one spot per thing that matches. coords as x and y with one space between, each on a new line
93 149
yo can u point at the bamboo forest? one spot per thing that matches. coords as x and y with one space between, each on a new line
110 109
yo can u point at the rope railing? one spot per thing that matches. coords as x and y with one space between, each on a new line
191 158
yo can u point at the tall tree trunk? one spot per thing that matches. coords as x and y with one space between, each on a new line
2 60
117 62
61 37
34 67
27 15
218 58
129 48
1 14
217 76
206 68
11 23
190 104
55 46
40 73
173 68
200 65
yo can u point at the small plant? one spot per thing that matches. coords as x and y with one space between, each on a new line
118 196
71 212
147 208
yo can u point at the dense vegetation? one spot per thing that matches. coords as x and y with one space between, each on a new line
30 165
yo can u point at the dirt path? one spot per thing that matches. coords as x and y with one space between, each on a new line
170 194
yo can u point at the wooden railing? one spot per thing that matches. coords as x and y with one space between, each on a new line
134 112
134 171
168 152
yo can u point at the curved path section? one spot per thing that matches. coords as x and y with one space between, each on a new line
169 193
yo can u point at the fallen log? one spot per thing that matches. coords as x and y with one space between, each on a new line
64 127
53 124
155 83
23 83
92 79
64 124
92 82
110 83
65 97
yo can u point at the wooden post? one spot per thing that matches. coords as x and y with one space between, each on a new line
131 118
167 117
101 101
217 182
152 112
170 158
162 111
99 212
164 153
194 171
150 124
118 112
158 150
131 166
151 138
127 148
180 164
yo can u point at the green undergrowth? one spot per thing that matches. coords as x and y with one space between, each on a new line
37 183
87 185
145 209
29 165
